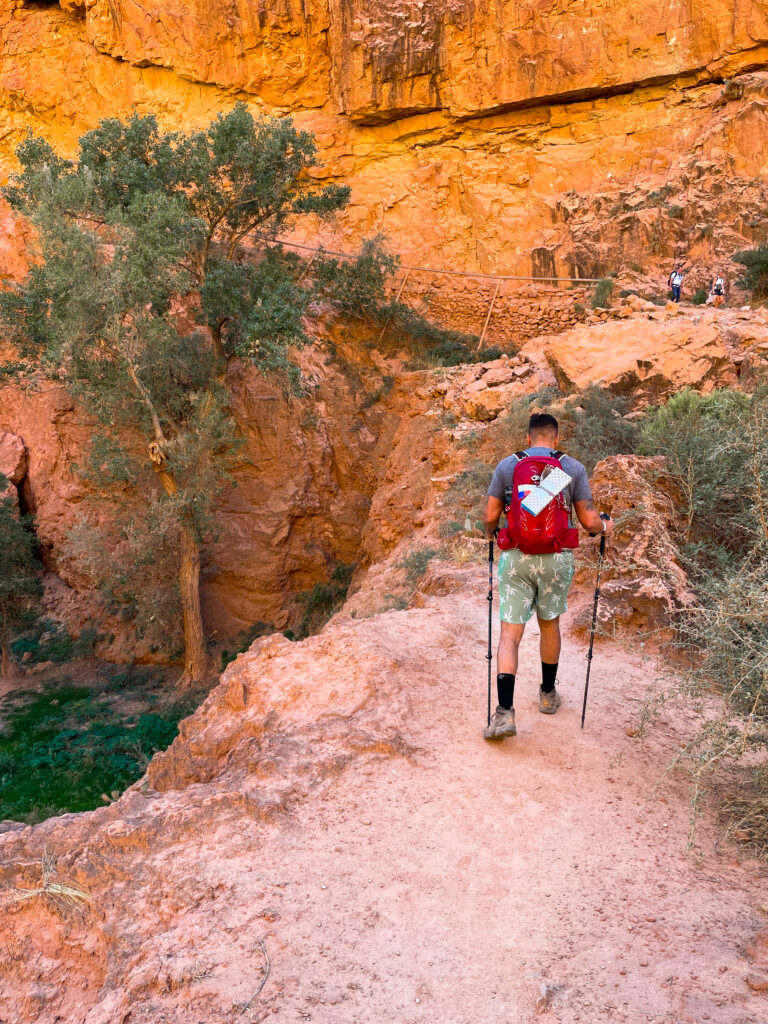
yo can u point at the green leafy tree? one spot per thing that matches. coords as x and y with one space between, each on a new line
20 585
755 275
140 296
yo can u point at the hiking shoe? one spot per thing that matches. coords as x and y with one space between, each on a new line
549 702
502 724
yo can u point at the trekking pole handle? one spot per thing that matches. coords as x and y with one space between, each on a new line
604 516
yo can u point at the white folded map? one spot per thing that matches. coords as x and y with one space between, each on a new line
537 499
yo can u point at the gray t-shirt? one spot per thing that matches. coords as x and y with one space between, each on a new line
577 490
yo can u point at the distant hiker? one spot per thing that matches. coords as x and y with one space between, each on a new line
536 563
717 289
675 282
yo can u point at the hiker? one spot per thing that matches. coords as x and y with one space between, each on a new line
717 289
675 282
528 581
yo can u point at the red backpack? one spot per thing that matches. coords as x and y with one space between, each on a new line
550 530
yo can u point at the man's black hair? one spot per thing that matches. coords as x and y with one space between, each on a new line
542 422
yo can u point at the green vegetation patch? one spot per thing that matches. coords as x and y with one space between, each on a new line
416 561
66 747
322 601
715 450
755 275
601 294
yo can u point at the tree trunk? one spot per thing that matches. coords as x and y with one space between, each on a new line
196 661
7 668
197 664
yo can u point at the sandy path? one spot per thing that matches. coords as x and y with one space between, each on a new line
458 884
491 870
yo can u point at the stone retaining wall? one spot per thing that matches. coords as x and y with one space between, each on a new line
521 310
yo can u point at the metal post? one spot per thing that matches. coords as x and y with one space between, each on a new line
488 317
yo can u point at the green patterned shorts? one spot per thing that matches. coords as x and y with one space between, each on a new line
534 581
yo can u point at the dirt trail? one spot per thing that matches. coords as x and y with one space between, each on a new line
491 871
423 875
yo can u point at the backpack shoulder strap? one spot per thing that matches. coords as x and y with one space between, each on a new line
520 456
556 455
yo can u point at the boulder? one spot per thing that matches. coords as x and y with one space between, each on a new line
643 580
487 404
648 358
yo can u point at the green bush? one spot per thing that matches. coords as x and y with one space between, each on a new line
700 435
592 427
322 601
700 296
510 429
359 288
50 641
715 449
244 640
755 275
416 561
601 294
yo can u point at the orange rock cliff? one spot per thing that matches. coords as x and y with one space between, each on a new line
523 137
533 138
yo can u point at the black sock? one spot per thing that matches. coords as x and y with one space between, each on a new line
505 681
548 676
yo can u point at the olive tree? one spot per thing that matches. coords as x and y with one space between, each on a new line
139 295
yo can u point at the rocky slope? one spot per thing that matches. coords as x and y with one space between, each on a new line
357 473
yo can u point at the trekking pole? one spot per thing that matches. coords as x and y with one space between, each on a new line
489 655
594 620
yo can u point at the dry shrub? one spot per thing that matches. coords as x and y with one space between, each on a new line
715 447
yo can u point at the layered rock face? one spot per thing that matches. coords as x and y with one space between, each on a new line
381 60
524 138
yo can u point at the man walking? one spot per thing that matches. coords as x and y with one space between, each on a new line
676 283
535 581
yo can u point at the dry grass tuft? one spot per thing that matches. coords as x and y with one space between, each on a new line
64 897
